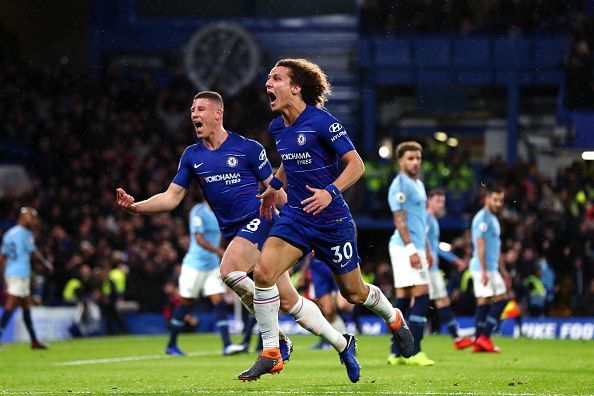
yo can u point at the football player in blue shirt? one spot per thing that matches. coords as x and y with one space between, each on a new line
410 250
18 244
489 275
437 290
229 169
310 141
200 275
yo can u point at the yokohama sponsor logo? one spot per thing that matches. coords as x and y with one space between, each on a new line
295 156
222 177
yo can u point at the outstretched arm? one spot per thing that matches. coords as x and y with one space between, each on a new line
48 264
158 203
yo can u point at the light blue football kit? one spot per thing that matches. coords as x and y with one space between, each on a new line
17 245
409 195
202 221
486 225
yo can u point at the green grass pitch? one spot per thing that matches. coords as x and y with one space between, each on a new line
137 365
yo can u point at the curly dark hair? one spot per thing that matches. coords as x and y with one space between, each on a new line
315 87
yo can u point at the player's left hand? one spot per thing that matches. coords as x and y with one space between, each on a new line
268 200
317 202
430 260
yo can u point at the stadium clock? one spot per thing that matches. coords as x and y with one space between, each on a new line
221 56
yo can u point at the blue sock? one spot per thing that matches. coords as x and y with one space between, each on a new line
403 304
29 324
418 319
177 323
6 315
446 316
222 324
248 329
493 317
479 319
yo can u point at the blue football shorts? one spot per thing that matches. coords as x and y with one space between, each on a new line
321 278
336 246
254 230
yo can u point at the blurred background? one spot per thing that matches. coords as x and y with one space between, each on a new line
95 95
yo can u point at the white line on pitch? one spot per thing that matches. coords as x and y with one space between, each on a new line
130 358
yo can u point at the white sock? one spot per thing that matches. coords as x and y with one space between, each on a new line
339 325
243 286
309 316
378 304
266 305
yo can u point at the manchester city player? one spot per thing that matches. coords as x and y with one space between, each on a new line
316 217
229 168
409 249
200 275
437 290
18 245
489 275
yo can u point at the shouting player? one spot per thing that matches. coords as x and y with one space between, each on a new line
316 217
229 168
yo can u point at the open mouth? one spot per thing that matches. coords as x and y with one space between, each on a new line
197 124
271 97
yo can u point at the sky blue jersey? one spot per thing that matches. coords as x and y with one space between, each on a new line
433 238
202 221
309 151
228 176
486 225
17 245
409 195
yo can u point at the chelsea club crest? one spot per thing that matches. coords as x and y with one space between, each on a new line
231 161
301 139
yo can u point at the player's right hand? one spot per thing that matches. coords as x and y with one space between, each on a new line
126 201
415 261
484 278
267 202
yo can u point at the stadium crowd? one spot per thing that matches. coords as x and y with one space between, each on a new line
81 136
466 17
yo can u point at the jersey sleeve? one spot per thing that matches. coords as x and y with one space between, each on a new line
196 223
481 226
333 133
258 161
397 195
184 171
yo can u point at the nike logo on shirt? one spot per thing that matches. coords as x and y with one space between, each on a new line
196 166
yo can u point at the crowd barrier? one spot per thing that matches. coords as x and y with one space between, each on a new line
53 323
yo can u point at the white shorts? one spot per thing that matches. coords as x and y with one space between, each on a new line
495 286
437 288
194 283
404 274
17 286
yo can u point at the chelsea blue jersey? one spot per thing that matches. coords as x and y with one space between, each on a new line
203 221
409 195
17 246
228 176
486 225
309 151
